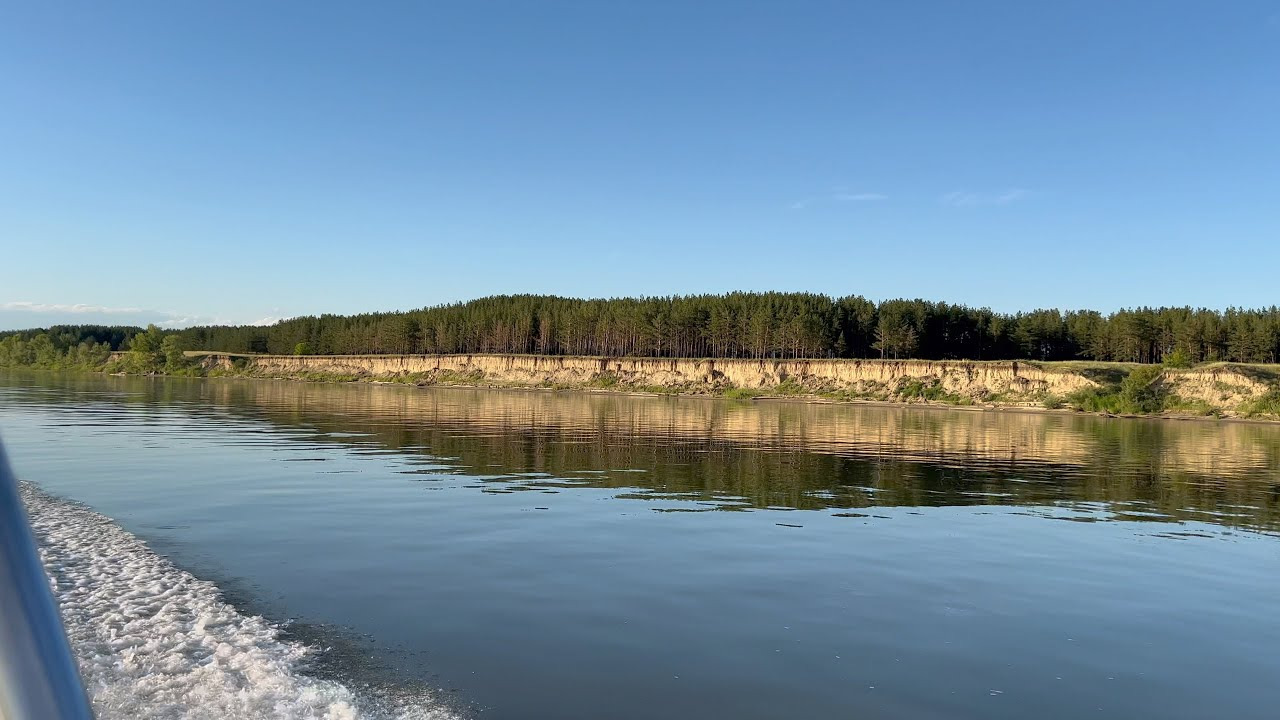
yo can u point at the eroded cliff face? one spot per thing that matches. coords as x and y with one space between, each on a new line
973 380
1222 386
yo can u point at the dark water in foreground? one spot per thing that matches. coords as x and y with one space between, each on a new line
542 555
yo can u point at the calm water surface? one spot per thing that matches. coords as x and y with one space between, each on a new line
561 555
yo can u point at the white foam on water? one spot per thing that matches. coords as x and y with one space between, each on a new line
154 641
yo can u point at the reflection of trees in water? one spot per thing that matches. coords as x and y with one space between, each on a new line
735 454
734 476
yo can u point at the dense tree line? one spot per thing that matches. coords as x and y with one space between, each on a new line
90 347
750 325
63 346
768 325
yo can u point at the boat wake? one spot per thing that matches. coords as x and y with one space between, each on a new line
153 641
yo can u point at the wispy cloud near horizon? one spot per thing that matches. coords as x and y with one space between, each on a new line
23 314
65 307
959 198
838 196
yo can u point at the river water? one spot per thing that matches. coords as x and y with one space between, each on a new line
230 547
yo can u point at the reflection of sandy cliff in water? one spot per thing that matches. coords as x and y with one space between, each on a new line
1218 450
800 455
725 454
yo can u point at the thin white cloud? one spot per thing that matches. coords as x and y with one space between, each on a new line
960 198
837 197
78 308
21 314
181 321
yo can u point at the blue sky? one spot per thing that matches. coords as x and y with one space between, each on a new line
235 162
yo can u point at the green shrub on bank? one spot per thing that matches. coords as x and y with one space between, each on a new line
459 378
1097 400
1142 391
1268 404
1139 393
930 391
790 386
917 389
151 352
604 381
1187 406
418 378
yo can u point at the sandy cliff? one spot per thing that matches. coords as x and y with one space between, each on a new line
975 380
1226 389
1222 386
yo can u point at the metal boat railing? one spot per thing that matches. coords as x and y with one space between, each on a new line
38 676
